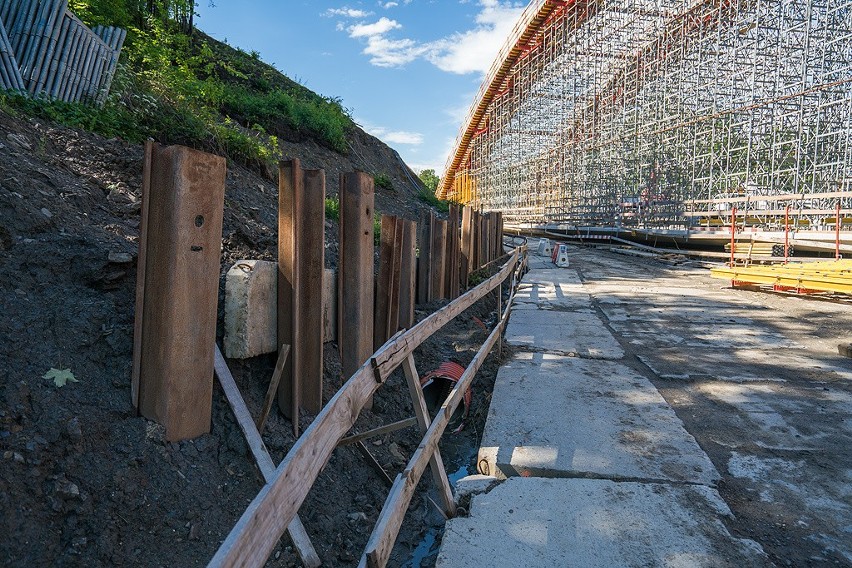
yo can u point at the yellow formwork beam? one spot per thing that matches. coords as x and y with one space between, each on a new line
826 276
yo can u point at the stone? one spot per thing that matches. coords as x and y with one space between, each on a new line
251 309
120 257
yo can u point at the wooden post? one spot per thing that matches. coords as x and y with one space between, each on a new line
476 237
355 271
465 265
181 235
307 364
407 274
393 305
424 260
438 261
387 292
290 182
451 276
140 272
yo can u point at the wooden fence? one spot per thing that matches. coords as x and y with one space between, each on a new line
276 506
45 50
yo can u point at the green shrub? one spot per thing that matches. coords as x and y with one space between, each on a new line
383 181
332 208
377 229
430 198
179 87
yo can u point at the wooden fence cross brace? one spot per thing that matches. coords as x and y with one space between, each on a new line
436 464
297 531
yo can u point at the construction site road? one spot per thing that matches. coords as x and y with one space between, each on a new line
651 415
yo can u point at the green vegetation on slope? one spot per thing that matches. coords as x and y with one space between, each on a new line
427 194
176 85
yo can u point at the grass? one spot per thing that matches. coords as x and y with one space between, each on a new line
430 198
181 88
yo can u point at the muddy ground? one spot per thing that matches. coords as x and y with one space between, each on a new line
756 378
83 480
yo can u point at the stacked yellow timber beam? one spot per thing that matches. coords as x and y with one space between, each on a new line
826 276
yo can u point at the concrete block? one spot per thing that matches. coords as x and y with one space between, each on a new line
250 309
591 522
474 484
544 247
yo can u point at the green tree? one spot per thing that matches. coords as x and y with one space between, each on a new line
430 180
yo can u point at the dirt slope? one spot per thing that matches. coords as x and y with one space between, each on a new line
83 481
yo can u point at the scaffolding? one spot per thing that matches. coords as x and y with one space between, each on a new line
665 115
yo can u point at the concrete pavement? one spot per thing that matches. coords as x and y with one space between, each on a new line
618 367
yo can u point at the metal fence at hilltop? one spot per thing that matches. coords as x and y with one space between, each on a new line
45 50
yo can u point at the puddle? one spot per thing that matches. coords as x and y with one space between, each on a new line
426 552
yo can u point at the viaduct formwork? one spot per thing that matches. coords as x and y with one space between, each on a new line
664 116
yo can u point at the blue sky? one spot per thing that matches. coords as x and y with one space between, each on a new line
407 69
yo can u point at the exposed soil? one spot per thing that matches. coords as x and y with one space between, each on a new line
86 482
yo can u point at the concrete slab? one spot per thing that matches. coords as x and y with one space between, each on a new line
588 522
557 288
721 335
578 332
582 418
680 313
743 364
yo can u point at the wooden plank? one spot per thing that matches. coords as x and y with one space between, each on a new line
394 290
140 273
407 274
384 534
466 247
184 238
380 431
384 281
283 353
374 463
438 260
308 362
261 525
289 183
264 462
421 412
424 260
355 271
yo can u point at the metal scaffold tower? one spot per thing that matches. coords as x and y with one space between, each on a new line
665 115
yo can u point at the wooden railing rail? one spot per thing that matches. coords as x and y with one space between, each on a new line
258 530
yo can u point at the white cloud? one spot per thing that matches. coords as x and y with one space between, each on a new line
378 28
346 12
392 136
389 5
471 51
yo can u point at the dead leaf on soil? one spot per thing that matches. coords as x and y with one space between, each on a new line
60 377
